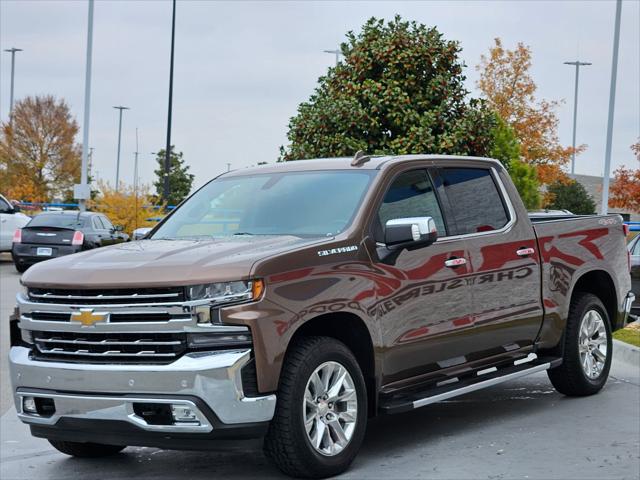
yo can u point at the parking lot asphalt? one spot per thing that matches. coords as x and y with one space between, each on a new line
9 287
523 429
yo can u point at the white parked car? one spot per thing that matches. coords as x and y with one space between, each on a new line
10 220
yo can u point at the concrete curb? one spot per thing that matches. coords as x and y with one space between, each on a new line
626 353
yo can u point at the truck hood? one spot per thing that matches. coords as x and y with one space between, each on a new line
160 263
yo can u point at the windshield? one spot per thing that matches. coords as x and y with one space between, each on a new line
291 203
57 220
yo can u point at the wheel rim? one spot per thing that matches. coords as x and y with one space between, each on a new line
593 344
330 408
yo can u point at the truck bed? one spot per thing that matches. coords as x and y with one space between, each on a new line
571 245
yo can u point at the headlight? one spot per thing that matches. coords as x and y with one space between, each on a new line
226 292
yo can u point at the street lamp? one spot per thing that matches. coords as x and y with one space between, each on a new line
577 64
120 108
12 51
337 53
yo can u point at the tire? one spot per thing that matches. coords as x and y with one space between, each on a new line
287 442
86 450
573 377
21 268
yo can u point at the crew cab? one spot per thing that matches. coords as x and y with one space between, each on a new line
295 301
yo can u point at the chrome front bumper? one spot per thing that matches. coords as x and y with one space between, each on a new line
108 392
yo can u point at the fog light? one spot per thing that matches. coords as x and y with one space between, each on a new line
29 405
184 414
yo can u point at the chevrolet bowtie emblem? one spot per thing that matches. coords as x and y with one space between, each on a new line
87 318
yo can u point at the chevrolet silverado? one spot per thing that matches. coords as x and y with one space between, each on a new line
292 302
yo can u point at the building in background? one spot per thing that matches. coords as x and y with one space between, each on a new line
593 186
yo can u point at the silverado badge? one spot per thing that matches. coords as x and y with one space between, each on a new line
87 318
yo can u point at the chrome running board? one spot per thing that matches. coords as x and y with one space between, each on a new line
455 387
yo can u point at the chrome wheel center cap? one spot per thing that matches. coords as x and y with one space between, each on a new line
323 408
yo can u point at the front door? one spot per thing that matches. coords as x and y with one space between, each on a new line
422 305
505 271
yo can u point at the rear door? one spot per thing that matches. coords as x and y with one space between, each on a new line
422 305
100 232
504 267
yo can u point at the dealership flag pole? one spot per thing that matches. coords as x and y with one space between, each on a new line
81 191
612 102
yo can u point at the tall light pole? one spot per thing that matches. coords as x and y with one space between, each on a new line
167 158
82 191
135 166
120 108
12 51
337 53
135 180
577 64
90 161
612 101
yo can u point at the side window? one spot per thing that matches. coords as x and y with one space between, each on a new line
411 195
636 249
475 201
107 224
97 224
4 206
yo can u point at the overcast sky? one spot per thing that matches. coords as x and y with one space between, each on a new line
242 68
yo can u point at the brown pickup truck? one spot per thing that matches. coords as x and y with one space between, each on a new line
295 301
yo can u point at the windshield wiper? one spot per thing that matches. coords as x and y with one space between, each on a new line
243 233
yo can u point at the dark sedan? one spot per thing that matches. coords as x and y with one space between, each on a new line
634 251
54 234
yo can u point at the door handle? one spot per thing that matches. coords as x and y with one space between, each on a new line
525 252
455 262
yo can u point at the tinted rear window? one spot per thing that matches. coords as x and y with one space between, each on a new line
61 221
474 198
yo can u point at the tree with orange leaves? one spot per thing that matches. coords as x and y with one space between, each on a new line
507 85
39 157
126 207
625 190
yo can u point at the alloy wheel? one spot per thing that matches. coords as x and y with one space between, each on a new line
330 408
593 344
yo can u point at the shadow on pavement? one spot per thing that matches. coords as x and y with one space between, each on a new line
390 440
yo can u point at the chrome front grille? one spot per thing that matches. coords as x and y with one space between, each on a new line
132 317
110 296
109 347
120 326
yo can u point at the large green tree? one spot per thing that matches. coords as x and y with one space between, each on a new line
400 89
505 147
571 196
180 180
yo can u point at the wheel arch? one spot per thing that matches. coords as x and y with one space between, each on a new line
601 284
351 330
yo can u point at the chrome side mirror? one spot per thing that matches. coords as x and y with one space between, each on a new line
410 233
